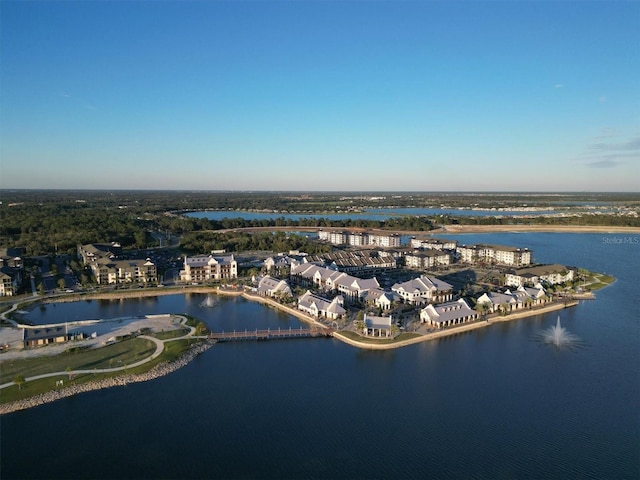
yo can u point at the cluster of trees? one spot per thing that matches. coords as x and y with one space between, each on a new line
178 224
47 228
198 242
604 220
57 221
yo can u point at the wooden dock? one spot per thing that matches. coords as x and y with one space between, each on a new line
270 334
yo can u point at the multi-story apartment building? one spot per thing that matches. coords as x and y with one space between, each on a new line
8 285
426 259
494 254
359 238
109 271
107 268
11 271
434 243
202 268
542 274
392 240
92 252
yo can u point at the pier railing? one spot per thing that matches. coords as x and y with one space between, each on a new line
270 334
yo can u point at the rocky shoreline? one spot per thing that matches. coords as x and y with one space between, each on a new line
156 372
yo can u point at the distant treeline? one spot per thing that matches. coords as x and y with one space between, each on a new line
297 202
199 242
47 222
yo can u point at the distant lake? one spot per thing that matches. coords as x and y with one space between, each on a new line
369 214
487 404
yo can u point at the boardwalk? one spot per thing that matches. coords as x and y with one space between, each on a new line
271 334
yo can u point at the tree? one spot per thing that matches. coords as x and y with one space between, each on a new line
482 309
19 380
360 321
201 328
140 239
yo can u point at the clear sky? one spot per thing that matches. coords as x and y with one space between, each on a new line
321 95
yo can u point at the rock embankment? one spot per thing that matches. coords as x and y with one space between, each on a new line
157 371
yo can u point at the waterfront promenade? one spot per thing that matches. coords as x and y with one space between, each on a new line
166 368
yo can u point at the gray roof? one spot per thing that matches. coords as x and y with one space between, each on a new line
445 312
541 270
423 284
378 322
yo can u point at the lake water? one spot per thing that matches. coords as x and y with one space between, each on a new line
493 403
368 214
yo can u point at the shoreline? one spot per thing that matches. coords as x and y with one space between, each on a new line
169 367
457 329
455 229
158 371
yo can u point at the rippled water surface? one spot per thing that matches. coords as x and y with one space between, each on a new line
493 403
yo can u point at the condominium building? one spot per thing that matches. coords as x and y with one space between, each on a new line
202 268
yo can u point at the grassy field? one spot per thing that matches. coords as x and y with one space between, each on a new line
116 355
127 352
601 280
595 280
171 334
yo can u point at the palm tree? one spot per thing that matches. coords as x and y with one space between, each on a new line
482 309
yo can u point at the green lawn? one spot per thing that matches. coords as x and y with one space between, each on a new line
116 355
128 351
170 334
601 280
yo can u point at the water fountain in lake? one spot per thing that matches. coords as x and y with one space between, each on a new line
558 337
208 302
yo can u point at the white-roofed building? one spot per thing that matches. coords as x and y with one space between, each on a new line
278 262
542 274
320 307
355 288
202 268
448 314
424 289
377 326
380 298
272 287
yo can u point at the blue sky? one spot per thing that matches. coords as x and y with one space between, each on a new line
321 95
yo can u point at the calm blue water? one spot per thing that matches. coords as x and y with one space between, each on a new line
487 404
369 214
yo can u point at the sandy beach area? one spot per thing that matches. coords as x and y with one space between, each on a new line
534 228
453 229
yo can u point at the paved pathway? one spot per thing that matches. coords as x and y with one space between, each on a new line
159 349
